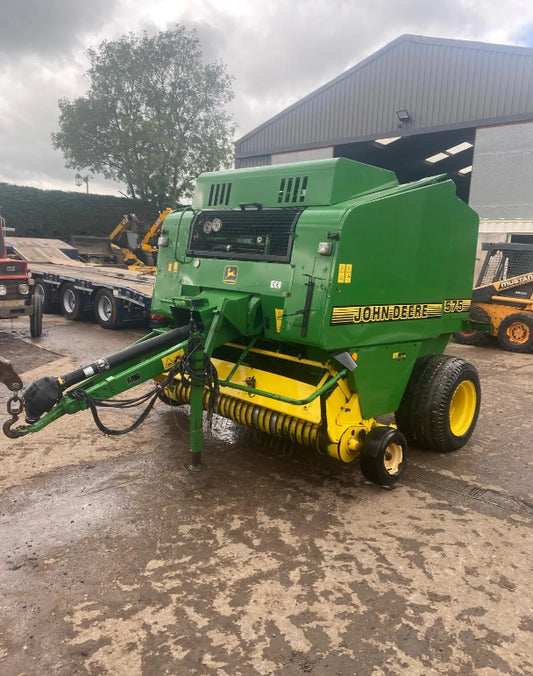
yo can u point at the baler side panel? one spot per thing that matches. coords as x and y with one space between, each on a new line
412 263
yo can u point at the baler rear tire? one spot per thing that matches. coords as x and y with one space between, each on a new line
406 415
383 456
516 332
440 407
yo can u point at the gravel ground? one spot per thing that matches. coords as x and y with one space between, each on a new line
115 559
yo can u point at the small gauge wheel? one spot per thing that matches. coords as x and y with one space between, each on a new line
383 455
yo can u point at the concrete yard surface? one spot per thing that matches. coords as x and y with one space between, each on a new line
116 559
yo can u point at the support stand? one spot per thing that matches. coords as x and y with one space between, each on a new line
197 362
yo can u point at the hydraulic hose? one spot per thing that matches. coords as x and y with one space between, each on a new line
41 395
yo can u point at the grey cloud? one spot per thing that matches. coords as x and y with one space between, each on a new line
285 50
49 27
278 51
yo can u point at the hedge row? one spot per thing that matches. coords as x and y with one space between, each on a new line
57 214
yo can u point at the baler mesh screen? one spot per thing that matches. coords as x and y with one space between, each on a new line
244 234
506 263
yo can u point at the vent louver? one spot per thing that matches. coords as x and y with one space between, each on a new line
219 193
292 190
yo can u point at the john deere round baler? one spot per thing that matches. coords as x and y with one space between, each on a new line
305 300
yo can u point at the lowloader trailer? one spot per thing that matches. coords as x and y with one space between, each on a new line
305 301
113 297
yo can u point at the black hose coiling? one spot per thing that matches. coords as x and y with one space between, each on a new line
191 370
193 367
93 404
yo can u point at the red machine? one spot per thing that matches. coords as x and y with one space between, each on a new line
17 295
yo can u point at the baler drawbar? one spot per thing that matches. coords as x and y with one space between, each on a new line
305 301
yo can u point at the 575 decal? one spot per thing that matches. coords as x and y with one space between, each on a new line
457 305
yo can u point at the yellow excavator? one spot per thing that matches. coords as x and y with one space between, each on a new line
124 238
147 242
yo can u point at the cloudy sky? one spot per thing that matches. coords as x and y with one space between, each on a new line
276 50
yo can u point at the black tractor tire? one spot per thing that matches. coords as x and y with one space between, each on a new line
477 314
440 406
516 332
70 302
40 289
383 456
36 317
407 412
106 310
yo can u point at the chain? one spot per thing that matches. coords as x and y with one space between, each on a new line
15 406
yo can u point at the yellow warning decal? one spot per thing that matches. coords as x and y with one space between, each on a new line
365 314
345 273
175 266
279 318
171 359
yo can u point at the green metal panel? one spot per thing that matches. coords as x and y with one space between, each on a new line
321 182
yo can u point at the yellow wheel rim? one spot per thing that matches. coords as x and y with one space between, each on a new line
518 333
463 408
393 458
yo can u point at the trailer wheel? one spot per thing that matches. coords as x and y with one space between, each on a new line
516 333
40 290
105 309
70 302
383 455
36 317
440 406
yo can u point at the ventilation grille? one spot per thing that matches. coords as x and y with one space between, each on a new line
11 268
292 190
219 194
262 234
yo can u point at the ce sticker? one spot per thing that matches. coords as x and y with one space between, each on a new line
275 284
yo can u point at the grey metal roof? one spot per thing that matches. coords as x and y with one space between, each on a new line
443 84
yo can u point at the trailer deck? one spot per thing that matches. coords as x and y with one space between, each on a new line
113 296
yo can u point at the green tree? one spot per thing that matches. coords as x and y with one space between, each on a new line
153 117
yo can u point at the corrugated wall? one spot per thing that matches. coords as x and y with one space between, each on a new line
502 176
442 83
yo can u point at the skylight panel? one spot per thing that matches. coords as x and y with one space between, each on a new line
436 158
459 148
387 141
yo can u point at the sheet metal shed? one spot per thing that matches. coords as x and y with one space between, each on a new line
429 94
